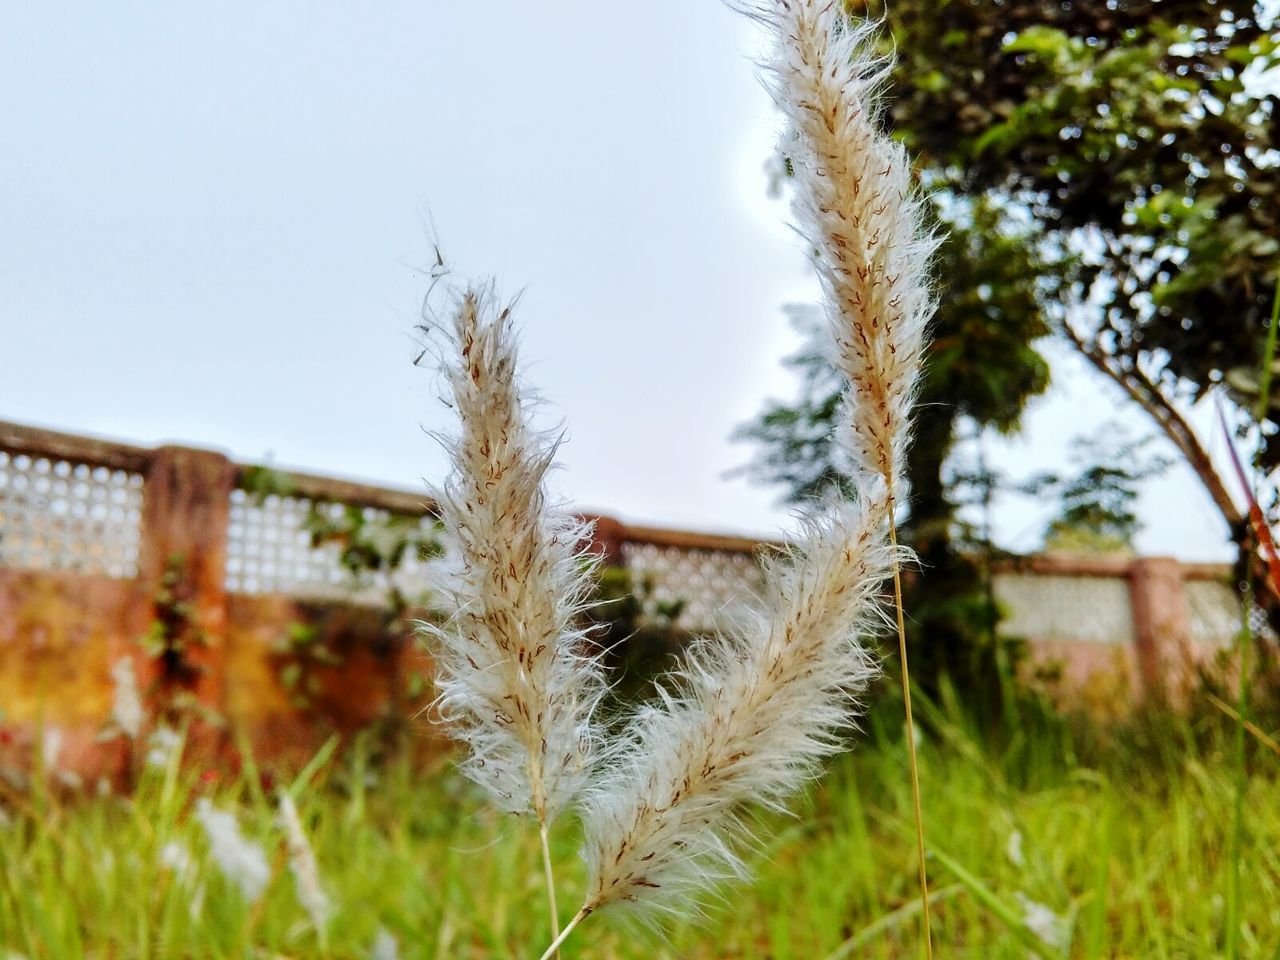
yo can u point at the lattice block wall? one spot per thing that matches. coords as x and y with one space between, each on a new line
61 515
1215 612
707 581
269 550
1062 608
1260 625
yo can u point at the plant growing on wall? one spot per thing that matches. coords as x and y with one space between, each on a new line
373 547
172 640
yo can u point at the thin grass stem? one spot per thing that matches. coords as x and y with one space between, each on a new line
549 875
1261 735
889 921
554 949
1232 947
911 733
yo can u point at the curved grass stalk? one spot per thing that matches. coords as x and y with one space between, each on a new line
854 200
1262 533
751 713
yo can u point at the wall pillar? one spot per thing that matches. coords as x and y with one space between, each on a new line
182 564
607 537
1161 624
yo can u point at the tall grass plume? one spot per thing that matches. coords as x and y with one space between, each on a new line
750 713
854 201
518 678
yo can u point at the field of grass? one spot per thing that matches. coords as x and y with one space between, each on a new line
1046 843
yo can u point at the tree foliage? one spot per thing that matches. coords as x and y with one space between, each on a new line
1138 134
1109 167
1141 136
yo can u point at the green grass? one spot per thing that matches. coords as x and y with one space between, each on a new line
1126 839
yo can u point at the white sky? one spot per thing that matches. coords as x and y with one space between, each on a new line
213 218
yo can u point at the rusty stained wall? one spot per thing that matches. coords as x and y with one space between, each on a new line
61 634
90 532
369 687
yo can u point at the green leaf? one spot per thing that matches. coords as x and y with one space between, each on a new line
1044 41
993 137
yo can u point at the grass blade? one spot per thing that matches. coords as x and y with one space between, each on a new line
895 918
1010 915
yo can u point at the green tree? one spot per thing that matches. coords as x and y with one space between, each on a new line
1138 135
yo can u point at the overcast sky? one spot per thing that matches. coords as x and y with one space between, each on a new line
215 219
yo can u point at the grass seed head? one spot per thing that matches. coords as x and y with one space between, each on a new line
518 676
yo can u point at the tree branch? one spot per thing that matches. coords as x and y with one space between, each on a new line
1147 394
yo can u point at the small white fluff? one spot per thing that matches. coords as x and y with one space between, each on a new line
855 202
1013 849
517 676
163 743
241 860
126 709
176 858
51 748
746 720
1052 930
385 946
302 863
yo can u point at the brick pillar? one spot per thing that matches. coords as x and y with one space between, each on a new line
607 537
185 511
1161 624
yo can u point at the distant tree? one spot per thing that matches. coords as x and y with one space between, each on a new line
1097 499
982 366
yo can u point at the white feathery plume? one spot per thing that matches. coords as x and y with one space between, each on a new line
747 719
240 859
302 863
126 708
751 714
855 202
518 679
